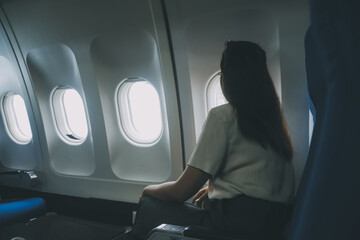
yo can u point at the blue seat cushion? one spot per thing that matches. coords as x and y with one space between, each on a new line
20 210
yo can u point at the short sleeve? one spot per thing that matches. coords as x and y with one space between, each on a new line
212 145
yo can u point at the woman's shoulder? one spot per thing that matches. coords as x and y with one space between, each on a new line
225 112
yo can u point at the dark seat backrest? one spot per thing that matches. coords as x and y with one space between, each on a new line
328 200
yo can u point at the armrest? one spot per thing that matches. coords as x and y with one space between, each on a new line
207 233
168 231
18 178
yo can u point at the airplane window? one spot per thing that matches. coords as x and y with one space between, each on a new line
214 95
140 111
16 118
70 116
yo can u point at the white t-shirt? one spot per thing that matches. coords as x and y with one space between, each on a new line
239 165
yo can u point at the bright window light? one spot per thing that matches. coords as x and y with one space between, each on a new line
140 112
214 95
75 113
70 116
311 125
16 118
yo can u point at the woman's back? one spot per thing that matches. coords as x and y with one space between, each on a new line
239 165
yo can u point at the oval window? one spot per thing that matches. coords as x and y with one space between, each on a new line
139 111
214 94
70 116
16 118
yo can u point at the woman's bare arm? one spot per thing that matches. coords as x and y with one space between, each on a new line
190 181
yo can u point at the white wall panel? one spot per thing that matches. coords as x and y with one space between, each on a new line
51 67
117 57
13 155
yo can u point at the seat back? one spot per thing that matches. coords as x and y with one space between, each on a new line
328 198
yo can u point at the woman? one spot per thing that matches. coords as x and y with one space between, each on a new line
244 152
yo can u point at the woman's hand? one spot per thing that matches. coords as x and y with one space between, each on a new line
200 196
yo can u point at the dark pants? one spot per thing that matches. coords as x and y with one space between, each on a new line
241 215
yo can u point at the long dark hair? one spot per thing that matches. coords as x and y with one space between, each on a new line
250 90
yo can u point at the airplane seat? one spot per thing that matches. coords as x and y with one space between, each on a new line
328 204
58 227
13 211
29 219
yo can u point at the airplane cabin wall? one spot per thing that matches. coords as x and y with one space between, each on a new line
15 154
97 47
93 47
